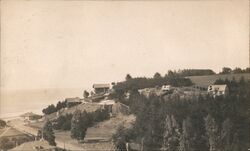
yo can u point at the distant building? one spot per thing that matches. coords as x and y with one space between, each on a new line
73 101
166 88
29 116
41 145
101 88
218 90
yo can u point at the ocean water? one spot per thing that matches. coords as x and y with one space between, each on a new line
16 102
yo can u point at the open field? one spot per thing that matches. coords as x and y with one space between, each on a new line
9 132
100 135
36 125
205 81
104 130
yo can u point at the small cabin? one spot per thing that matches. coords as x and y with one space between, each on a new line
73 101
166 88
101 88
218 90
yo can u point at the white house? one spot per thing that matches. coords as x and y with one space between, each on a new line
101 88
166 88
218 90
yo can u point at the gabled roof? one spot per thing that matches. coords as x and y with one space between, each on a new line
217 87
34 146
101 85
72 100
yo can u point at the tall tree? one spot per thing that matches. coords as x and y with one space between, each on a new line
128 77
85 94
226 70
157 75
48 133
213 133
171 135
79 125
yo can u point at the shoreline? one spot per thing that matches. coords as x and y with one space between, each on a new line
14 115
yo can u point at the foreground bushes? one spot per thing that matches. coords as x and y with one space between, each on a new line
82 120
198 123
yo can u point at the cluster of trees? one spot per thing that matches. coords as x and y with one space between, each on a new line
227 70
142 82
82 120
63 122
52 108
76 123
47 133
195 72
199 123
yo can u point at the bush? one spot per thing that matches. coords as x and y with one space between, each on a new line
50 109
6 144
63 122
2 123
82 120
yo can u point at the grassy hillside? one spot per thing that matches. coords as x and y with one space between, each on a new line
204 81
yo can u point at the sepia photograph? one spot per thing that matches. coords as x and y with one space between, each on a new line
125 75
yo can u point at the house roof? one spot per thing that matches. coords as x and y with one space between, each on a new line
34 146
107 102
101 85
217 87
28 114
71 100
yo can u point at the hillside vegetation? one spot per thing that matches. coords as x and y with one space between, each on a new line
204 81
195 123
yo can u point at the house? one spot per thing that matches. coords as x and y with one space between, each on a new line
101 88
29 116
41 145
166 88
73 101
218 90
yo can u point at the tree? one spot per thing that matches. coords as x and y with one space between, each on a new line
186 142
237 70
170 74
213 133
2 123
128 77
247 70
119 138
50 109
171 134
157 75
48 133
85 94
39 135
79 125
226 70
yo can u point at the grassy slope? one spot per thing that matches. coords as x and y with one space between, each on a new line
204 81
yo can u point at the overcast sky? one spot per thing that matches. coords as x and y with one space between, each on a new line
72 44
